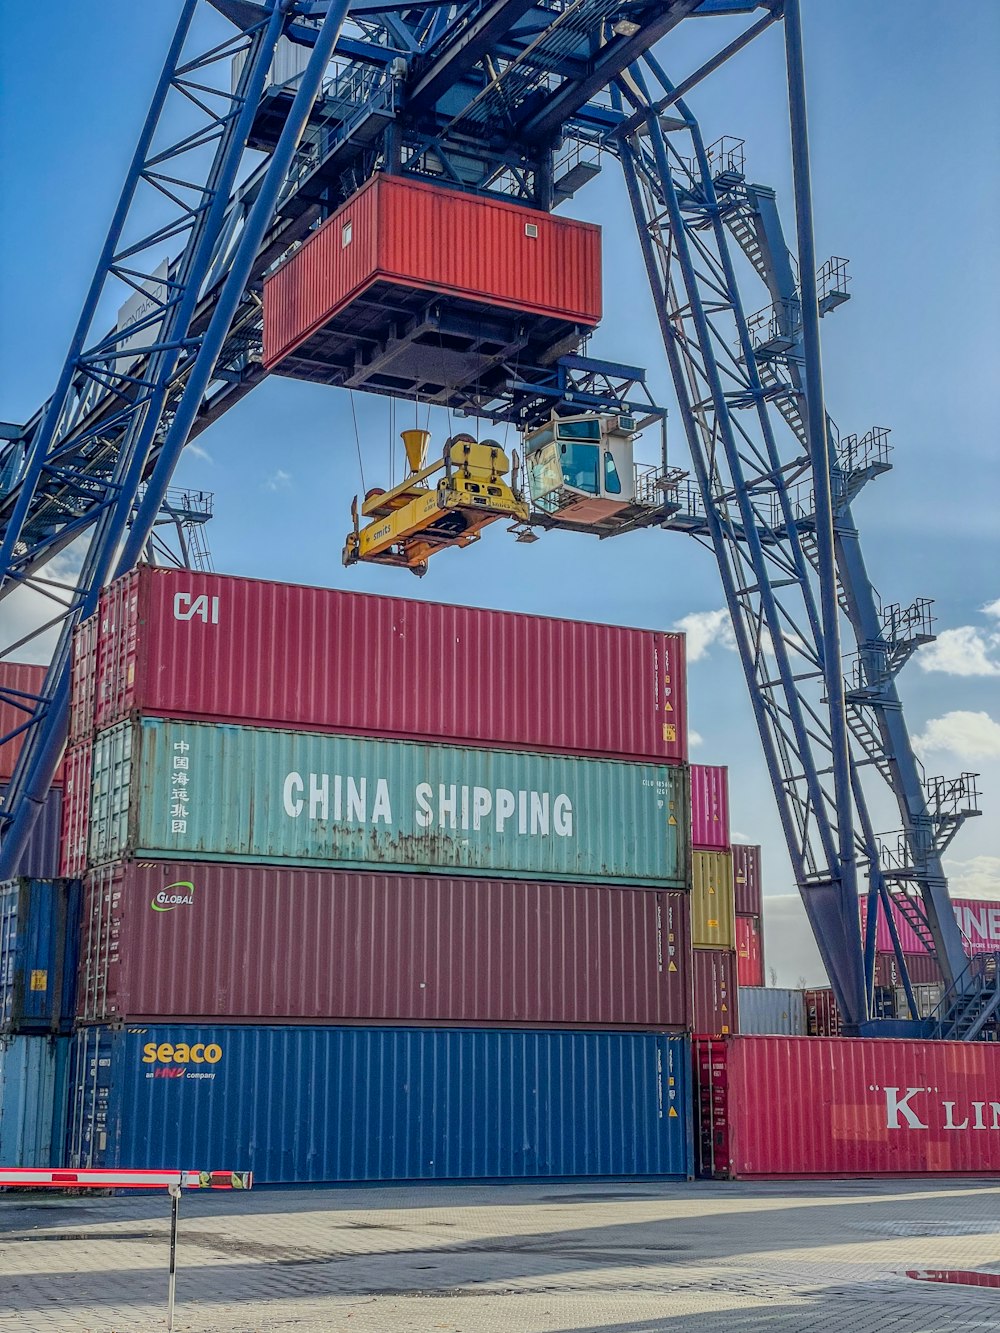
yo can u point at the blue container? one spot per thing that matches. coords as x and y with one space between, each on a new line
40 858
39 954
303 1104
33 1088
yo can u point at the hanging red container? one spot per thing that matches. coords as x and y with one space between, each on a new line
713 972
709 807
747 880
749 951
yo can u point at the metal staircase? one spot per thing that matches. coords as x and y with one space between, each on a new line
970 1008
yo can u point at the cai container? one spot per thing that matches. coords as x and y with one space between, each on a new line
340 1104
20 685
709 807
749 951
716 1003
805 1106
203 792
978 920
713 922
39 952
40 857
33 1092
772 1010
258 944
174 643
747 880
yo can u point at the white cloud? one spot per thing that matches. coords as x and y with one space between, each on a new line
978 877
198 452
695 738
278 481
962 652
739 837
26 609
705 628
966 734
991 609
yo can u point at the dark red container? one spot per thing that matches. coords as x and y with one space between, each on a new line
749 951
397 232
709 807
258 944
75 811
822 1012
713 972
747 879
921 967
20 682
206 646
801 1106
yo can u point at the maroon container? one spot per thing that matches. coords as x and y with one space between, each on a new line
921 968
713 972
178 644
260 944
20 683
749 951
822 1013
709 808
747 879
75 811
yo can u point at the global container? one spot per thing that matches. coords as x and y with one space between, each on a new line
39 953
921 968
200 792
747 880
33 1088
75 826
40 856
713 922
772 1010
173 643
261 944
799 1107
709 807
716 1003
749 951
398 236
339 1104
978 920
20 686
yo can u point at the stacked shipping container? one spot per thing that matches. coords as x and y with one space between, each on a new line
713 920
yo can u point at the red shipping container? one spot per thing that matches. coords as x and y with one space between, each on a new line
416 235
255 943
713 972
749 951
75 811
801 1106
978 919
921 967
709 807
81 692
20 684
182 645
822 1013
747 880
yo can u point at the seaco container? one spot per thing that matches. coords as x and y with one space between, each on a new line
301 1104
713 924
172 643
201 792
260 944
747 880
749 951
716 1004
33 1087
41 856
802 1106
771 1010
709 807
20 686
39 952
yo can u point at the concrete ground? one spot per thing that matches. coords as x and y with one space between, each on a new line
600 1257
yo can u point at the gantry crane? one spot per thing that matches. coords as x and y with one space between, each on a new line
525 101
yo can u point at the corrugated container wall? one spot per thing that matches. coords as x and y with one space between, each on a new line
822 1013
921 968
794 1106
747 879
75 830
173 643
369 1104
40 857
416 235
771 1010
713 922
255 944
716 1003
39 952
709 807
20 685
978 920
83 677
33 1085
749 951
199 792
926 997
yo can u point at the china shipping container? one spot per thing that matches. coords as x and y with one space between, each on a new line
173 643
795 1106
978 920
713 923
33 1090
20 685
75 824
39 952
921 968
203 792
300 1104
40 857
258 944
398 233
747 880
716 1002
771 1010
749 951
709 807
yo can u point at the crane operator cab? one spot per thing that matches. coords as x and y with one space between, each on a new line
582 475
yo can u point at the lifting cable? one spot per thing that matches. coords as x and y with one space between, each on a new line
357 441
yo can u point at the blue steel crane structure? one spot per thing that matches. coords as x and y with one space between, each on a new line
518 98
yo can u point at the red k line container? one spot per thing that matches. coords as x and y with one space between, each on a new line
713 973
20 685
709 808
183 645
256 944
805 1106
749 951
420 236
747 880
978 920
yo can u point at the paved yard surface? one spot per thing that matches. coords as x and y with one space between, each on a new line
610 1257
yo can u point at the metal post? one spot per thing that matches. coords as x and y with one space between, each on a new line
175 1197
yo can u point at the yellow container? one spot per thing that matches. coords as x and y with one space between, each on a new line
713 907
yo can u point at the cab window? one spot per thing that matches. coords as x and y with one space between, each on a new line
580 463
612 481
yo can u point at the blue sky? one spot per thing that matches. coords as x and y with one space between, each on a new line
905 117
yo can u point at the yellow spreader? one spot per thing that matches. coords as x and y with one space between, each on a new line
419 517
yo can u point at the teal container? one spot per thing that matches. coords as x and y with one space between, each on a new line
200 792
